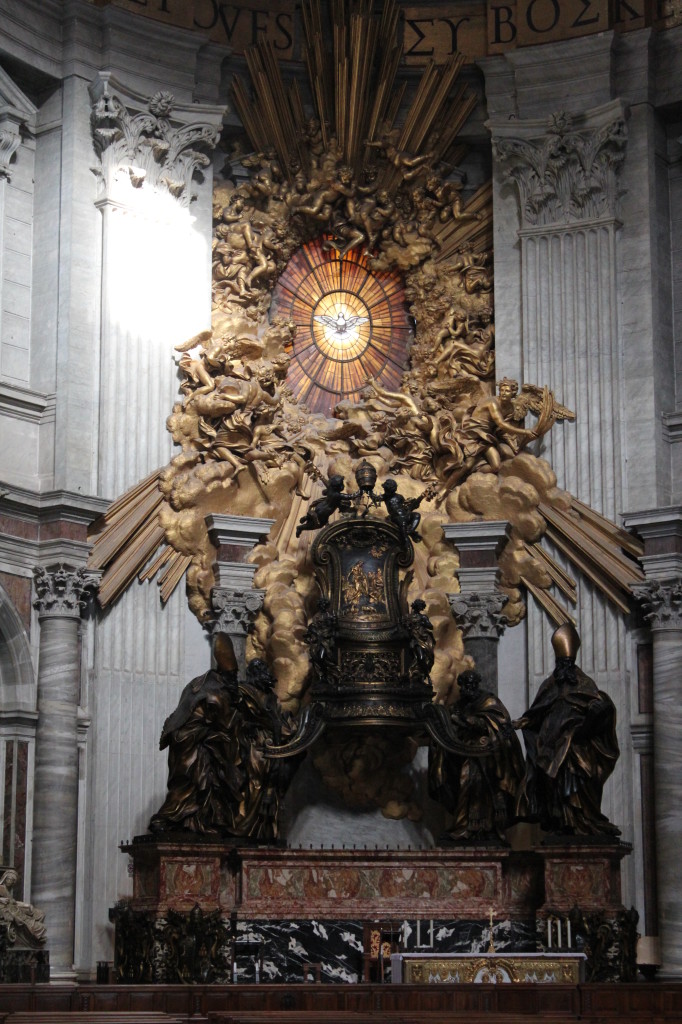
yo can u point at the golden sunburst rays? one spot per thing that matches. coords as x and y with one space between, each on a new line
355 95
352 323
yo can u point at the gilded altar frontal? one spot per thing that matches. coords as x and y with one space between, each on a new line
340 494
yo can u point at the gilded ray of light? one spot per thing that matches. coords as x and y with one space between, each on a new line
351 324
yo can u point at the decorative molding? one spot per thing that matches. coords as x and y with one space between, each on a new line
149 148
23 403
672 427
19 555
235 610
48 506
62 592
642 737
661 603
244 531
479 615
565 171
661 531
478 535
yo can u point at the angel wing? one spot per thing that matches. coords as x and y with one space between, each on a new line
540 401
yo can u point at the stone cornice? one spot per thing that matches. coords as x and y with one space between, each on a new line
672 424
25 404
18 555
50 506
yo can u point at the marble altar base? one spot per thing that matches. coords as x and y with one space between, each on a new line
289 914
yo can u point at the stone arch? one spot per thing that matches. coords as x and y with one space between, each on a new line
17 678
18 698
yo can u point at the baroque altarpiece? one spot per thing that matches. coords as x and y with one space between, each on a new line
353 336
367 488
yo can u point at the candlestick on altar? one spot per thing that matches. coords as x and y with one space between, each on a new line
491 944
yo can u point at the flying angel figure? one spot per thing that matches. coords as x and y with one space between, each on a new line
341 324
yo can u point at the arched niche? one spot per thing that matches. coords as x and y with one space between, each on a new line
17 742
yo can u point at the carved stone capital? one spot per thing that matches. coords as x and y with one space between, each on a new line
566 170
62 592
16 112
151 146
661 603
234 610
10 140
479 616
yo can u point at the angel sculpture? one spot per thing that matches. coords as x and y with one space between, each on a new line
493 431
321 510
401 511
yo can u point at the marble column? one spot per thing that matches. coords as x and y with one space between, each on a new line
661 601
60 596
477 608
234 598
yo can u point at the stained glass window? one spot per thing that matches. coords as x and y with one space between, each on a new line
351 324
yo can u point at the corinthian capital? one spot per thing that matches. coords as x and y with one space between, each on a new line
149 142
566 170
661 603
16 113
62 591
10 140
234 610
479 616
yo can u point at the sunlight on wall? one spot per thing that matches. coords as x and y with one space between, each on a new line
155 294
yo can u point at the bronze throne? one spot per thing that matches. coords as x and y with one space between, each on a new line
370 654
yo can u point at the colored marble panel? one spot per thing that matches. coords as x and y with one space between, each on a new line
20 801
190 881
7 803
